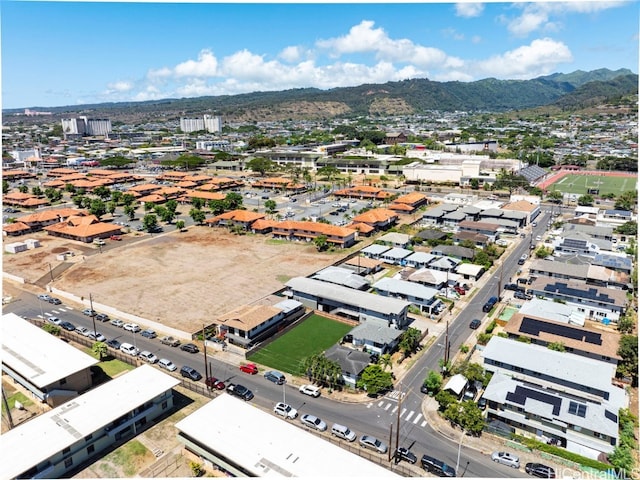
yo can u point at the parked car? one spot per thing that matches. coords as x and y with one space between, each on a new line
522 296
239 391
511 286
213 382
129 349
490 303
313 422
405 454
310 390
97 336
148 333
167 364
172 342
506 458
249 368
55 301
424 389
475 324
523 259
285 410
275 377
115 237
44 296
190 373
68 326
540 470
131 327
147 356
344 432
470 393
437 467
117 323
54 320
482 403
460 290
367 441
83 331
189 347
89 313
102 317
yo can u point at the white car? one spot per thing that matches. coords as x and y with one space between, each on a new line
83 331
44 296
54 320
506 458
167 364
132 327
117 323
310 390
147 356
129 349
313 422
285 410
97 336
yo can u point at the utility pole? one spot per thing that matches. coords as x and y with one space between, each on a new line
93 314
206 367
390 438
50 272
398 421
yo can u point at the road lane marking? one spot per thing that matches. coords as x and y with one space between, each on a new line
417 419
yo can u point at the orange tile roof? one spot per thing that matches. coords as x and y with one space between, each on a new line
72 177
411 198
34 202
52 214
315 227
196 178
401 207
83 227
263 223
361 227
186 184
53 184
375 215
520 206
237 215
62 171
17 196
145 187
204 195
16 227
169 191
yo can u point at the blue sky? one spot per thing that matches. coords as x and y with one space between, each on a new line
67 53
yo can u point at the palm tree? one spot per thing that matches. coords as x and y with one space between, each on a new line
385 361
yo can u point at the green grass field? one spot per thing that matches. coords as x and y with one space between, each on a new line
314 335
580 184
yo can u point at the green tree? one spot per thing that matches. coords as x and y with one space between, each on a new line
217 206
444 399
5 186
475 184
23 189
165 214
329 172
171 205
116 197
150 222
470 417
197 215
556 346
543 252
149 206
51 328
555 196
375 380
128 199
627 200
585 200
111 207
622 458
100 350
78 200
233 201
102 192
130 211
385 361
260 165
180 225
37 191
70 188
319 369
626 323
409 341
197 203
433 382
629 228
321 242
270 206
628 351
97 208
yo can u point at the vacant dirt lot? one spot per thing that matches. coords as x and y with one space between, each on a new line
179 279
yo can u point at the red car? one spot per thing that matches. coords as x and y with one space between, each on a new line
249 368
213 382
115 237
460 290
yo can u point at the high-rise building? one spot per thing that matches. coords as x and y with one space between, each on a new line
85 126
210 123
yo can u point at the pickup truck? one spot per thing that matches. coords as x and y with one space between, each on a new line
239 391
172 342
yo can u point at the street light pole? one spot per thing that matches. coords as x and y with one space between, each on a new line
459 448
93 314
50 272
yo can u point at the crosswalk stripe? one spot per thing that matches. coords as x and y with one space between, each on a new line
417 419
380 403
403 410
387 407
409 416
423 424
395 409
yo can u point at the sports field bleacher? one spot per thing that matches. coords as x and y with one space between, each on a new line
533 173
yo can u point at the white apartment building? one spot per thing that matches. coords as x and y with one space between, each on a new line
86 126
210 123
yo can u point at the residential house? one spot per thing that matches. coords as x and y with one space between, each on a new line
409 203
554 311
396 256
342 276
548 394
530 211
491 230
248 324
431 278
363 265
25 200
598 303
419 259
362 192
347 302
374 251
306 231
615 218
378 218
419 295
601 345
579 243
431 234
394 239
239 218
601 233
352 362
435 215
470 271
280 183
83 229
454 251
477 239
619 262
376 336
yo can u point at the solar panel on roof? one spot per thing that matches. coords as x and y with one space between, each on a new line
578 409
523 393
611 416
532 326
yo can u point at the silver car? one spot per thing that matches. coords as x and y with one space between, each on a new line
313 422
367 441
506 458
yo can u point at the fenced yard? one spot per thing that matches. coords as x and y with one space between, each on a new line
313 335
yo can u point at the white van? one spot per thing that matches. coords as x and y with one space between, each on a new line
343 432
129 349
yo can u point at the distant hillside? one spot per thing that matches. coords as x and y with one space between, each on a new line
568 91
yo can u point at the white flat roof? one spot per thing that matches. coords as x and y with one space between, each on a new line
266 445
42 437
38 356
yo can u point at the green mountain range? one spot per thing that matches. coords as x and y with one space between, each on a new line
574 90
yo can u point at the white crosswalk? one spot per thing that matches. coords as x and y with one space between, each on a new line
407 416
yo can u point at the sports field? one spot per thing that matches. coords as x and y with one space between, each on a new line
581 184
314 335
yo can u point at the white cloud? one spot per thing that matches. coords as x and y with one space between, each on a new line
540 57
120 86
291 54
452 33
205 66
537 15
469 10
361 38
